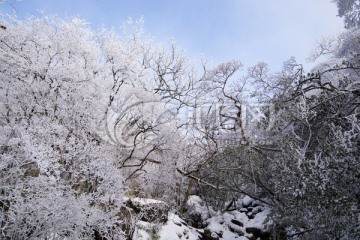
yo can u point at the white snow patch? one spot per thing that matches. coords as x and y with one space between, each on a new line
175 230
259 220
196 205
144 201
220 223
143 231
215 224
247 201
241 217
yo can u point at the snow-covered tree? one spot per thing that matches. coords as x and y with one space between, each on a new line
350 10
84 113
58 179
308 170
315 176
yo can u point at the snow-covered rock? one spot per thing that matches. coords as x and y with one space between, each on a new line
197 212
231 225
149 210
196 206
245 223
174 229
247 201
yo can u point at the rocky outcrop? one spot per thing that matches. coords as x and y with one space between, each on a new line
245 219
197 212
149 210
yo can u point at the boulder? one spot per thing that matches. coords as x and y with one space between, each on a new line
236 222
197 212
195 220
235 229
257 209
256 203
149 210
236 226
246 202
243 210
251 215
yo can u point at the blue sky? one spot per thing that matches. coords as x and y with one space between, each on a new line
220 30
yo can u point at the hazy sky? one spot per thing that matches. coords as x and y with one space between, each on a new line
221 30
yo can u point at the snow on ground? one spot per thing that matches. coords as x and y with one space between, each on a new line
226 226
174 229
259 220
226 223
